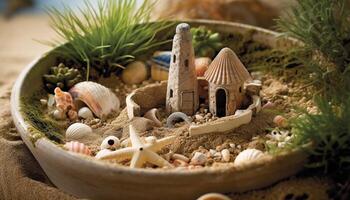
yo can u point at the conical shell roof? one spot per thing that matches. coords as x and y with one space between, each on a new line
227 69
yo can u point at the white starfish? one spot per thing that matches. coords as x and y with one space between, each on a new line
140 153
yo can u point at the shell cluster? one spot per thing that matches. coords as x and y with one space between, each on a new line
97 97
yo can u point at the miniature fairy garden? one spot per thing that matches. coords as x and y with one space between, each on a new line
187 99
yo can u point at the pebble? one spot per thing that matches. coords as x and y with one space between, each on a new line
198 159
239 146
177 156
232 145
225 155
212 152
151 139
43 102
198 117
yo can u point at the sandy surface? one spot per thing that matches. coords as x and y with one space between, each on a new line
17 43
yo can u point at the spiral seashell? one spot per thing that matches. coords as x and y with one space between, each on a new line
110 142
247 156
97 97
77 131
85 113
64 100
202 65
153 115
175 117
280 121
214 196
134 73
77 147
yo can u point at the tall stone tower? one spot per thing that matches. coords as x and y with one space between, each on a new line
182 92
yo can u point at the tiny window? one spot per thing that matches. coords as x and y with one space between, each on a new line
186 63
174 58
240 89
171 93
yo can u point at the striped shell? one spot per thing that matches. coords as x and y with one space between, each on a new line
64 100
77 131
247 156
280 121
97 97
214 196
77 147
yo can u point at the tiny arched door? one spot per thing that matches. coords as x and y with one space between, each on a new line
220 103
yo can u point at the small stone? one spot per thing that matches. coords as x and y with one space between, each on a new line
225 155
198 117
85 113
198 159
239 146
232 145
281 144
59 115
212 152
43 102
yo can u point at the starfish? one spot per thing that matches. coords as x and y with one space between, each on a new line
139 152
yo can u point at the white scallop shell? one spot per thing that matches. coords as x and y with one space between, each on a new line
247 156
107 143
85 113
77 147
77 131
97 97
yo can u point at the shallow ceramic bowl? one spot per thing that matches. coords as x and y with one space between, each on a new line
89 178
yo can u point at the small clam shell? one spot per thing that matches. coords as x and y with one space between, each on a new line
85 113
280 121
153 115
110 142
97 97
199 159
225 153
77 131
214 196
151 139
134 73
247 156
77 147
175 117
202 65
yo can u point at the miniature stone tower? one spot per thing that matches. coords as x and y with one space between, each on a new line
182 92
226 76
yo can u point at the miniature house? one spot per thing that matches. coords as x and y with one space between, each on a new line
226 76
182 90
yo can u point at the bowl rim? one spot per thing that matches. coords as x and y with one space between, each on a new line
44 143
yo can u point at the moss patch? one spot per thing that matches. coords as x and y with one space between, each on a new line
34 115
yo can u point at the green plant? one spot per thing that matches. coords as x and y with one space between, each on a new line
205 42
329 132
62 77
107 37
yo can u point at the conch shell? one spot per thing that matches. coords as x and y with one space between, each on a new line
77 147
64 103
97 97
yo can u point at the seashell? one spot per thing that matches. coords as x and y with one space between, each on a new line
97 97
64 100
202 65
199 159
151 139
247 156
214 196
110 142
77 131
280 121
177 156
153 115
102 153
43 102
227 69
269 105
59 115
225 153
77 147
85 113
176 117
134 73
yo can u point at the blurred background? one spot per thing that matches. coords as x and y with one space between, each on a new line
24 22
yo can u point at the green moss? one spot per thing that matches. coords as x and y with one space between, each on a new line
34 115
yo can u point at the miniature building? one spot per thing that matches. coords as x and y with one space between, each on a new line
226 76
182 91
